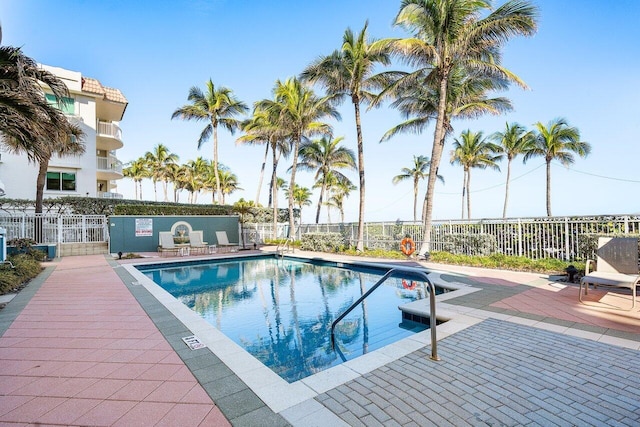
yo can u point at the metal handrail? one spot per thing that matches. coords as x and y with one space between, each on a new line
405 273
287 244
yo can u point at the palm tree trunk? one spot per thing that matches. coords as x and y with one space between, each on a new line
164 190
155 190
273 194
40 182
264 164
215 161
360 238
464 189
469 194
506 192
436 155
135 187
322 190
292 185
548 187
415 200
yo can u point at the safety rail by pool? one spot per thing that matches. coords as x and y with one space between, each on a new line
405 273
285 247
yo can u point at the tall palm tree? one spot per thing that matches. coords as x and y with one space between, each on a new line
348 72
158 161
325 156
137 170
263 127
219 107
450 35
299 111
196 177
472 150
418 171
515 140
557 141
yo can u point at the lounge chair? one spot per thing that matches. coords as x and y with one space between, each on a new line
167 244
617 266
223 240
196 245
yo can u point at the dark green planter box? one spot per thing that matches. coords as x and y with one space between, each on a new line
50 250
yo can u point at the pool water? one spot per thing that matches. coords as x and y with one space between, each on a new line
281 310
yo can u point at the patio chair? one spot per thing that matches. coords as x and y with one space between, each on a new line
617 266
196 244
167 244
223 240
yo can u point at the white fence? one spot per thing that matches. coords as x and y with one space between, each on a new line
53 228
535 238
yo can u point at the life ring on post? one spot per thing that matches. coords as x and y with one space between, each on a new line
411 286
407 246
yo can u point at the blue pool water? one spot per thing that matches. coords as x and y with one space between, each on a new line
281 310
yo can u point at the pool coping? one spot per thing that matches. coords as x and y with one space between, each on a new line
275 392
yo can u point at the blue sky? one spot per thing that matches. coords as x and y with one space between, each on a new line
583 64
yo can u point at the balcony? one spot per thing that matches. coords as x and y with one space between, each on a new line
108 136
108 168
109 195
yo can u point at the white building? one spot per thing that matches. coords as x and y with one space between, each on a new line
98 110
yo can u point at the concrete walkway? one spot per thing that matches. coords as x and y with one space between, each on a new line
84 344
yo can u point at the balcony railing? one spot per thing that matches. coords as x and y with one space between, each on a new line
109 129
109 164
109 195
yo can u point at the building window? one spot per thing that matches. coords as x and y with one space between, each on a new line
61 181
67 106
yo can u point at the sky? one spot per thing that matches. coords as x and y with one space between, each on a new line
582 64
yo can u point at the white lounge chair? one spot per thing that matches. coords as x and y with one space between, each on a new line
167 244
617 266
196 245
223 240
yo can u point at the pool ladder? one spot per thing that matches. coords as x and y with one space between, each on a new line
287 246
405 273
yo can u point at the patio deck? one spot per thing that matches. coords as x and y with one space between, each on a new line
84 344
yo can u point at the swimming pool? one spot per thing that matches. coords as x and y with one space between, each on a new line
280 310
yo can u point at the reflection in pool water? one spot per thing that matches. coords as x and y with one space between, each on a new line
280 310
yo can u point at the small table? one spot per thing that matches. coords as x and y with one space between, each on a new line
213 249
184 249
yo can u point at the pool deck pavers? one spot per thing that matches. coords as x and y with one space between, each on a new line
86 344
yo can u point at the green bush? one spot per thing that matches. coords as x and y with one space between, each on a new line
469 244
322 242
25 268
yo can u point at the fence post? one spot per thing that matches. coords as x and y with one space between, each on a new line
566 238
84 229
626 224
519 237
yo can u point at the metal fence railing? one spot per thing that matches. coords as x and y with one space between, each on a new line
53 228
567 238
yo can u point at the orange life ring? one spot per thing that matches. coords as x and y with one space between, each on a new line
406 285
407 246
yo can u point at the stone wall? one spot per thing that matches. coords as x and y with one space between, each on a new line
69 249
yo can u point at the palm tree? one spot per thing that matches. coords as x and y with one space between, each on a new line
301 196
219 107
137 171
196 177
450 35
325 157
298 110
513 141
337 195
228 183
472 150
348 72
27 120
158 161
418 171
557 141
263 127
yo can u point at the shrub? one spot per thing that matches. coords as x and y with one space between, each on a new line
25 268
322 242
469 244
